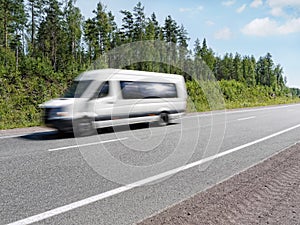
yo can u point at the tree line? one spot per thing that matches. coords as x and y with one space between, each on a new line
44 44
56 33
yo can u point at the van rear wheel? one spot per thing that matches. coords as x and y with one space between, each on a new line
163 119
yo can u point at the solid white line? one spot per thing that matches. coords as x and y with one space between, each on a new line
92 199
84 145
20 135
12 136
247 118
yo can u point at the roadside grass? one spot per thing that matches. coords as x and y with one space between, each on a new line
204 107
232 94
275 101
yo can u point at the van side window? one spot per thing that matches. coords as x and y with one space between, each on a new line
139 90
104 90
158 90
130 90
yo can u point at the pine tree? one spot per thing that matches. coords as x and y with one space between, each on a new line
103 27
237 64
90 37
204 49
265 71
74 20
260 71
269 64
199 67
207 55
51 34
114 34
35 10
139 22
150 30
218 68
12 31
127 29
248 70
278 72
227 67
6 20
183 47
156 26
170 30
170 36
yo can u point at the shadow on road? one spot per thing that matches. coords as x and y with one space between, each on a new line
53 135
48 135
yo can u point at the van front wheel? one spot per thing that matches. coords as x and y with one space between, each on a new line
84 127
163 119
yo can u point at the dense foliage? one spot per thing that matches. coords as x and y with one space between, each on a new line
44 44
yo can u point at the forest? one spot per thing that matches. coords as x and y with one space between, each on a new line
44 44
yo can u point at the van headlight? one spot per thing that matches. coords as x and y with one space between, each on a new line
58 112
62 114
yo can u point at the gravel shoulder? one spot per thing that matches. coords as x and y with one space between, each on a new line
267 193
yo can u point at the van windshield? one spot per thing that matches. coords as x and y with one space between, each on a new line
77 89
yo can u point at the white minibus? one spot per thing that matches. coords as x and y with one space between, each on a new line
114 97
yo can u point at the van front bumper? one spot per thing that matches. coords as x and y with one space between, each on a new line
65 125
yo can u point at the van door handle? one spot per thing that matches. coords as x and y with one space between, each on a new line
110 102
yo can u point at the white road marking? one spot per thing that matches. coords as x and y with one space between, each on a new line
12 136
23 134
84 145
95 198
247 118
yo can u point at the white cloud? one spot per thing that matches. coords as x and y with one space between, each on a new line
278 6
256 3
260 27
283 3
209 23
241 9
228 3
267 27
223 34
292 26
199 8
277 11
185 10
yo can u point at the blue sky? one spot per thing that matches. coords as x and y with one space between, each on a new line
249 27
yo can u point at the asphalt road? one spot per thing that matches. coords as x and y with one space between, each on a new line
125 176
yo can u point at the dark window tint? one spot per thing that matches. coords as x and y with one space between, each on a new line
139 90
77 89
104 90
130 90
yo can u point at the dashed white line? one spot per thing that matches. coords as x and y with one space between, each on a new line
92 199
84 145
247 118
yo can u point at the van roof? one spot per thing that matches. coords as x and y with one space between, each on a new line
105 74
